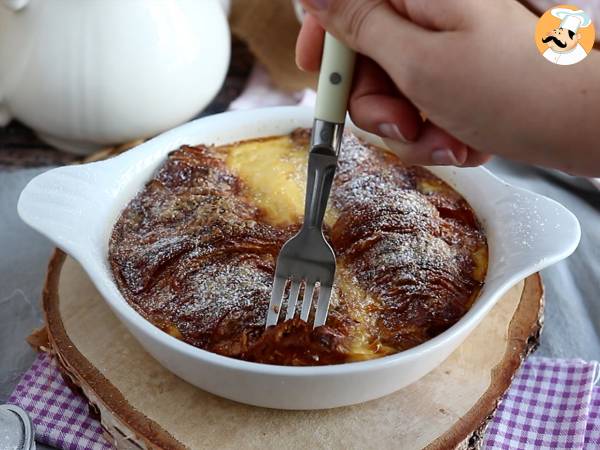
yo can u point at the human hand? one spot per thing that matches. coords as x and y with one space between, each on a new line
470 66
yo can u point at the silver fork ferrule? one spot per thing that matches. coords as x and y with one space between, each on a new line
327 135
326 141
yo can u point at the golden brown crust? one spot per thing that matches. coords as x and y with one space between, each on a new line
194 255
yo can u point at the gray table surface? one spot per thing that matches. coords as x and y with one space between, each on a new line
572 327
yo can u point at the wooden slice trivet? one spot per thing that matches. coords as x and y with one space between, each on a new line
142 405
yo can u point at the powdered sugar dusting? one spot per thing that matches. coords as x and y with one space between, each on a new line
196 257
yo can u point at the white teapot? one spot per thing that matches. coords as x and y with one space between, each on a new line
85 74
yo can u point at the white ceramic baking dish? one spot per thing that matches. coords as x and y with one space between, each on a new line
76 207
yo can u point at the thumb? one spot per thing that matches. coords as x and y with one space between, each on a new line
371 27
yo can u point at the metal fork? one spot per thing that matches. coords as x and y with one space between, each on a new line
307 257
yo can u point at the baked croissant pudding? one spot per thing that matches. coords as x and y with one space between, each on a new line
194 252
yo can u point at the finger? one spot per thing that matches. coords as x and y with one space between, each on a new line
377 106
441 15
434 147
369 78
476 158
391 117
371 27
309 45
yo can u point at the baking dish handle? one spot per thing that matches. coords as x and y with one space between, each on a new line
62 205
530 232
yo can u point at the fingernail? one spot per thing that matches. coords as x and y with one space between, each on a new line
391 130
316 4
444 157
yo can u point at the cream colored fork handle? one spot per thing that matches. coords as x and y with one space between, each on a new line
335 80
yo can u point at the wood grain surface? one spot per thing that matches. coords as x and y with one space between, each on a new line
141 403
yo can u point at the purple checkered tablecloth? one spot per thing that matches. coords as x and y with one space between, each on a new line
592 429
548 406
551 404
60 416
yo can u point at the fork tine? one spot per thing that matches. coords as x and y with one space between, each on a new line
307 300
276 300
322 306
292 299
